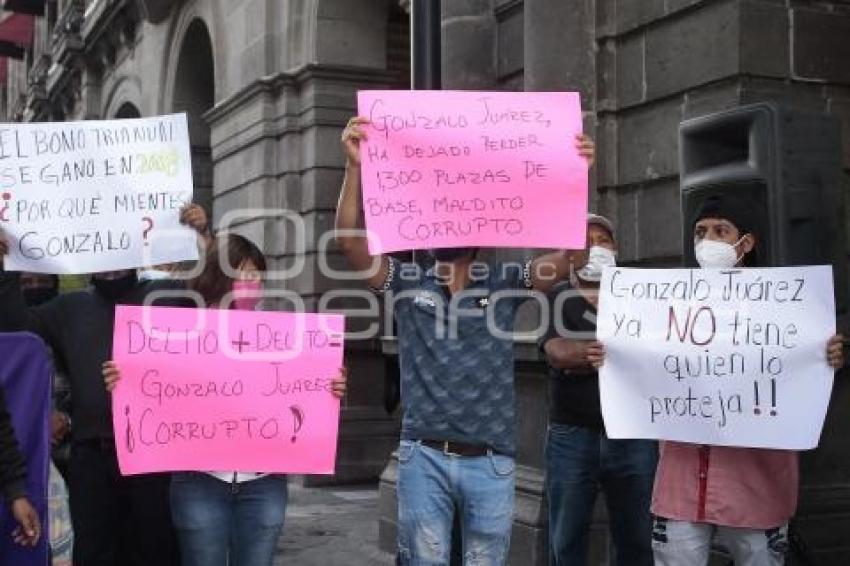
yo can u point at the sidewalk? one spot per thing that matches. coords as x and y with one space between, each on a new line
331 526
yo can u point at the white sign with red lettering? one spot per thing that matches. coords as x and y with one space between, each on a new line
733 357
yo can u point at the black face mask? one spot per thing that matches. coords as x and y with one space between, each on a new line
38 295
114 289
451 254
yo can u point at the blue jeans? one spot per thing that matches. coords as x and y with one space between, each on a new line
215 519
432 484
580 461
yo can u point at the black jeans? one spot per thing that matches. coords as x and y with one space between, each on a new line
118 521
579 462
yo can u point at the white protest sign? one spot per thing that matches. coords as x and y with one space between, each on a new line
731 357
83 197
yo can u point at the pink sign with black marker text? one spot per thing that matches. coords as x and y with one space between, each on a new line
212 390
457 168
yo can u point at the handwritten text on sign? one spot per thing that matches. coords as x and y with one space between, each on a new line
726 357
217 390
79 197
444 169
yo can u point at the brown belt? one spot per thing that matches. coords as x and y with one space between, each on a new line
451 448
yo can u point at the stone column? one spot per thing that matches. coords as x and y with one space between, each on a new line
469 45
275 144
349 53
558 43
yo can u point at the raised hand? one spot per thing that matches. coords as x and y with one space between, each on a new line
351 137
194 216
111 375
4 247
339 385
835 351
586 148
596 354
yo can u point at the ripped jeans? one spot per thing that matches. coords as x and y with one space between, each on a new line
431 485
682 543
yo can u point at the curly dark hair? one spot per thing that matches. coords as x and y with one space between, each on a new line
213 283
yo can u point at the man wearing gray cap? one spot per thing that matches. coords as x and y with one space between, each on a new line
580 458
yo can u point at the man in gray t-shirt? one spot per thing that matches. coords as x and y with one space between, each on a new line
454 325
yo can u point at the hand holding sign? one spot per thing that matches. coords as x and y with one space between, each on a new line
351 137
586 148
835 351
4 246
195 217
596 354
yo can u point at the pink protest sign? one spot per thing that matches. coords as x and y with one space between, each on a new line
224 390
451 168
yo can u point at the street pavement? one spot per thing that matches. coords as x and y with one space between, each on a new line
329 526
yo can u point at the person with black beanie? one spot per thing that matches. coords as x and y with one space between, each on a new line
742 498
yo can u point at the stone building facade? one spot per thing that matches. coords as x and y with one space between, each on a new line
268 85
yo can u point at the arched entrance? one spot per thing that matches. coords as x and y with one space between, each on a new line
194 94
128 110
398 44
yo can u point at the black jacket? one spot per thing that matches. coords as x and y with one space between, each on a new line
13 468
78 327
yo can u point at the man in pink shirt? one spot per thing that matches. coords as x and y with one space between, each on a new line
740 497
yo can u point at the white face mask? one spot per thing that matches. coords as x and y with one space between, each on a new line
153 275
598 258
711 253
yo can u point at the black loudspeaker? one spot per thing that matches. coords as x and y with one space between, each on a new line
32 7
784 163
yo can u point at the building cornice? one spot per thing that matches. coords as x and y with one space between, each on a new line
264 86
271 85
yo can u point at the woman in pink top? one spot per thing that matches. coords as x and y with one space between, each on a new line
228 518
740 497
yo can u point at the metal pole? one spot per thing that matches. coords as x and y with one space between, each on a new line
426 74
425 65
425 68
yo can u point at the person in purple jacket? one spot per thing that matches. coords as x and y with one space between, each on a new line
13 479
